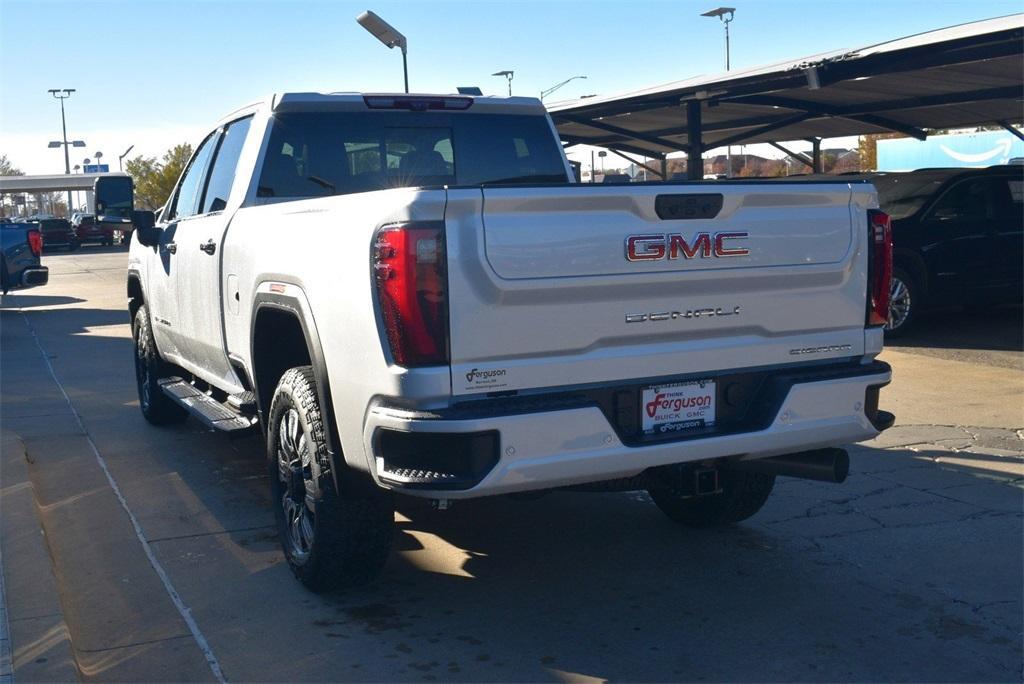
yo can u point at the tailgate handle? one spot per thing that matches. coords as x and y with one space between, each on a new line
689 206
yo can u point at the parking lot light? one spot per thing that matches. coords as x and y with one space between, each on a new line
508 74
387 34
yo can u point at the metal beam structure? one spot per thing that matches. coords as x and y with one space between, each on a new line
52 183
960 76
1010 128
642 164
601 125
799 156
694 136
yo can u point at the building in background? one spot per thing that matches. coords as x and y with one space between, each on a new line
968 150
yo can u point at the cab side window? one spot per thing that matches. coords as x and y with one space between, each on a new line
222 175
186 199
970 200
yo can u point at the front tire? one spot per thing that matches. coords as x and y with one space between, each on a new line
157 407
743 495
330 540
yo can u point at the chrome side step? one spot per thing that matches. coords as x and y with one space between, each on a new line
204 408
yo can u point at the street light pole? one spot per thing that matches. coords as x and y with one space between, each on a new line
545 93
508 74
63 94
725 14
120 158
387 34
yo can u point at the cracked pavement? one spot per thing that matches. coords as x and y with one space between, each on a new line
909 571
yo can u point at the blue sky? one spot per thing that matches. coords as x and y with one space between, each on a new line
153 73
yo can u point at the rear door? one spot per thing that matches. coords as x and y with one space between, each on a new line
571 285
962 226
199 237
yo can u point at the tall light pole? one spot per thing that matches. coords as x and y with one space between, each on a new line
507 74
545 93
120 158
725 14
63 94
385 33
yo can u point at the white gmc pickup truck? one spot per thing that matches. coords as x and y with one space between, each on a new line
409 293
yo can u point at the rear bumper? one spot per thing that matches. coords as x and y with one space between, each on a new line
31 277
551 448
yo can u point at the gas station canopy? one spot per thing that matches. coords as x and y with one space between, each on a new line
965 75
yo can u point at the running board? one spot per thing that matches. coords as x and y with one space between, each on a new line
207 410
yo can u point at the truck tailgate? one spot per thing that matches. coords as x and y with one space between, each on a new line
571 285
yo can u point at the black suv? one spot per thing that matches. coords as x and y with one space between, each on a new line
957 238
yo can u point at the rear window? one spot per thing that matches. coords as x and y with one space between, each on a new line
316 154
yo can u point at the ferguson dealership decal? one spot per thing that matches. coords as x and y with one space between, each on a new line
678 407
486 378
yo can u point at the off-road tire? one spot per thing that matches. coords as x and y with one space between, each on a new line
913 293
157 407
743 495
349 534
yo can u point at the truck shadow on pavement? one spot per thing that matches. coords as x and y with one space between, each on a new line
16 300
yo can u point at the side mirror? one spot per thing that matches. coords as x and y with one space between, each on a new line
146 231
115 198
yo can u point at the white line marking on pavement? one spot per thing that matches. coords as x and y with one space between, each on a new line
6 662
186 613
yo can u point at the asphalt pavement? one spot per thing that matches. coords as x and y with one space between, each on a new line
132 553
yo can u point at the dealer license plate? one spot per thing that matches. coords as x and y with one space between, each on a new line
678 408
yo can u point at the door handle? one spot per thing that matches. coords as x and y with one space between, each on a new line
171 247
209 247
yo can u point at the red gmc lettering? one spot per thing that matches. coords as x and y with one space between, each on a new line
674 246
701 243
645 247
722 251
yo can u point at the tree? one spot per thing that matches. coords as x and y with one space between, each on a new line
154 180
9 169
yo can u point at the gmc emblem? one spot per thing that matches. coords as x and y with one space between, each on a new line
674 246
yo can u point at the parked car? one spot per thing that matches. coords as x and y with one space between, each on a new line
58 232
88 229
21 247
957 239
408 294
616 178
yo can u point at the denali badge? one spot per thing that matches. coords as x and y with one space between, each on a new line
821 350
688 313
673 246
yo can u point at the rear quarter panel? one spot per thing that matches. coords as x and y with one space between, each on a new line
318 251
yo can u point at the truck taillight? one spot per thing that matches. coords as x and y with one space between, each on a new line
412 288
35 242
879 266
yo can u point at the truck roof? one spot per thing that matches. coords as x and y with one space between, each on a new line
353 101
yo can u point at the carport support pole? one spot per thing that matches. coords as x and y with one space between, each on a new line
816 155
694 140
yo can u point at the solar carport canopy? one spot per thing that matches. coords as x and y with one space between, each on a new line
964 75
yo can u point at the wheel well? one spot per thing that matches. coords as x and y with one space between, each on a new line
135 297
278 343
914 265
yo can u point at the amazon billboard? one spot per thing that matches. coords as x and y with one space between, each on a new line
969 150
